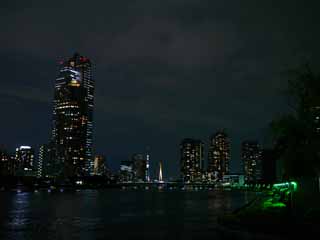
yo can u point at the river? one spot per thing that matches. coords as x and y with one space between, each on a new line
116 214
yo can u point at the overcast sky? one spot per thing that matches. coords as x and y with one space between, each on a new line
164 70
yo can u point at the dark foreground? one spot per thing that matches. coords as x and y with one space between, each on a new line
297 219
117 214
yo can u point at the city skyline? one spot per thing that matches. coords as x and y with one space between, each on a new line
159 119
76 72
163 72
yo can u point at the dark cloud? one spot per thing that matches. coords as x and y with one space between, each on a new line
164 70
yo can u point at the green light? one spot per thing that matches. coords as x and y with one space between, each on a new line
269 204
286 186
278 205
295 186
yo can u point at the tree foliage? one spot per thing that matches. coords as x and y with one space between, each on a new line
297 135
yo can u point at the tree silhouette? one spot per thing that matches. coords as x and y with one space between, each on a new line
297 134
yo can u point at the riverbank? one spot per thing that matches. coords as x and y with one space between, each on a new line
274 220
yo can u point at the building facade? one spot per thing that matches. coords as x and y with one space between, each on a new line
41 161
252 161
126 171
6 163
139 167
25 164
72 122
219 155
45 166
191 160
100 167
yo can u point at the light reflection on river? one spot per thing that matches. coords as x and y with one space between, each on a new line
115 214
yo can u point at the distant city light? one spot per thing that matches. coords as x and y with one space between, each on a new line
25 147
79 182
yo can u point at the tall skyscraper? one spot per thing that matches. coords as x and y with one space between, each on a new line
219 154
252 161
24 161
192 161
73 118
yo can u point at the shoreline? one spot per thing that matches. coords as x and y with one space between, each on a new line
270 223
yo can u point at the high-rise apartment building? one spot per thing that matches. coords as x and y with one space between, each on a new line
219 154
192 160
72 122
252 161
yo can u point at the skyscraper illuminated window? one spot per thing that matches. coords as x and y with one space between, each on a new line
219 154
252 161
192 161
6 163
73 118
24 161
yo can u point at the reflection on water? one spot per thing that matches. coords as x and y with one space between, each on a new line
115 214
19 215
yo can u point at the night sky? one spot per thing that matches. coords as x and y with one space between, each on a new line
164 70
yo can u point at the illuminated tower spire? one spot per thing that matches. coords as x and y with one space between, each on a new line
147 165
160 172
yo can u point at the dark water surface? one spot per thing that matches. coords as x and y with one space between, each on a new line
116 214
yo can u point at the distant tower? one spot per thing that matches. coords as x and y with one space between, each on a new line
160 172
147 167
72 122
219 154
